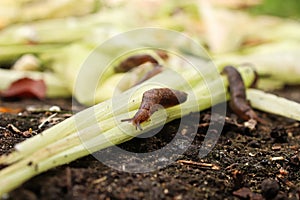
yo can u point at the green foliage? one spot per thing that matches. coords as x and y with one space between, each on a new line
289 8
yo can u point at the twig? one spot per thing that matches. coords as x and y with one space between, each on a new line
201 165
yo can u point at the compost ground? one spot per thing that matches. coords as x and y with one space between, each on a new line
244 164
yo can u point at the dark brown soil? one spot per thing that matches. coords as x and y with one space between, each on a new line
260 164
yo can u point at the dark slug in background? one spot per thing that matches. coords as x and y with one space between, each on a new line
238 100
134 61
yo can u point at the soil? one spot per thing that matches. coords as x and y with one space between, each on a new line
244 164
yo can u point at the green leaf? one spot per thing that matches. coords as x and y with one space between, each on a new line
290 9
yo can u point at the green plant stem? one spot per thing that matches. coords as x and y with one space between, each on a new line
273 104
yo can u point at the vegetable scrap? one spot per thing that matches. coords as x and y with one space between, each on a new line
27 62
156 70
154 99
25 88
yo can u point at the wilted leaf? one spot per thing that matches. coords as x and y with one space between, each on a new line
25 88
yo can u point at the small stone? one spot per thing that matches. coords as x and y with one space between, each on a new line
269 188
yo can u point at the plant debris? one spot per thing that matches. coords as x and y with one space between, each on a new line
199 164
25 88
156 70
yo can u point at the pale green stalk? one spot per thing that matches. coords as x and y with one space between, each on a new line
278 61
31 10
273 104
55 8
63 30
13 52
269 84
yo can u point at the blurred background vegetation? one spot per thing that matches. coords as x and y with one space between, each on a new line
290 8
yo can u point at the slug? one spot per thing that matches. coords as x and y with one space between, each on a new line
152 100
238 101
134 61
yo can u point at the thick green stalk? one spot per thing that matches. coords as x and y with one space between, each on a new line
278 61
273 104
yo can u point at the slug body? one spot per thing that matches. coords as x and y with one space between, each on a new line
238 102
154 99
134 61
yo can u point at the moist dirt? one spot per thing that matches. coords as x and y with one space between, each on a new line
244 164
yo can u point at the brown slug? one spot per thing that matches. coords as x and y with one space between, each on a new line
154 99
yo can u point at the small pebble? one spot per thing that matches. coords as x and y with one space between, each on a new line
269 188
